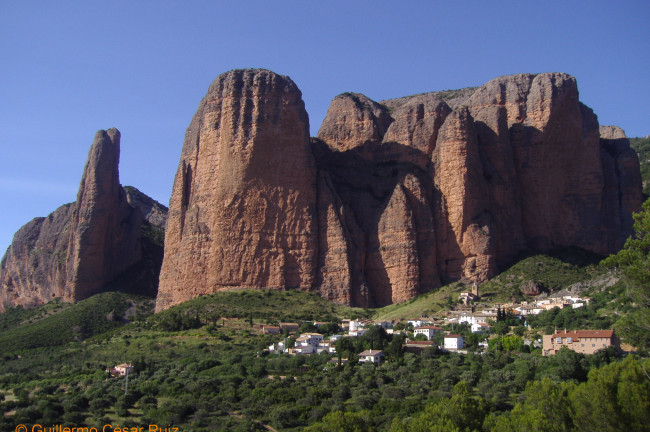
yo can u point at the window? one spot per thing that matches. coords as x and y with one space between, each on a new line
593 345
569 340
558 340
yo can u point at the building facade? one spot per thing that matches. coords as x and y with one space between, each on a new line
582 341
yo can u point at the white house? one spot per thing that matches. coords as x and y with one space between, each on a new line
313 339
359 324
357 332
418 322
304 349
327 346
481 327
277 347
383 323
371 356
428 331
454 342
475 319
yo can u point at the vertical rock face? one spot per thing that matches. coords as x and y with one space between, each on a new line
243 203
392 198
106 240
458 174
34 269
622 192
84 247
417 122
398 251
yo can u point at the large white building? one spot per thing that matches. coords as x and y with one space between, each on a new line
428 331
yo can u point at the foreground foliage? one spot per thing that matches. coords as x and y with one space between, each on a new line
634 262
217 377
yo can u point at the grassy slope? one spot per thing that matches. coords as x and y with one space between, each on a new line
58 323
267 306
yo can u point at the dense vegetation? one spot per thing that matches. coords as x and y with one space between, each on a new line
633 261
59 323
202 365
217 377
642 147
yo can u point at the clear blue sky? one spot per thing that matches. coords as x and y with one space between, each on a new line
70 68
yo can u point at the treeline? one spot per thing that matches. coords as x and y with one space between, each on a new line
205 384
615 397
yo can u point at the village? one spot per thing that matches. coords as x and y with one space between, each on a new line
443 333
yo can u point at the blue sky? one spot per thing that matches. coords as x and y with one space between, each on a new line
70 68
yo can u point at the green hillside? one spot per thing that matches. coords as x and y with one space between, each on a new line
59 323
218 377
550 273
266 306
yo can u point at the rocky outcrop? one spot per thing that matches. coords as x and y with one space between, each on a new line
106 240
152 211
621 178
33 271
393 198
354 120
417 122
531 288
458 175
84 247
242 211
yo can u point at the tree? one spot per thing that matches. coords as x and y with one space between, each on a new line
420 337
616 397
360 421
344 346
501 328
634 261
461 412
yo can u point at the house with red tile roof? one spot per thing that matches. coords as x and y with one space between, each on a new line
429 331
582 341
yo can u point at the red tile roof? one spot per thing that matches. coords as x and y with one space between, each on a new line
585 334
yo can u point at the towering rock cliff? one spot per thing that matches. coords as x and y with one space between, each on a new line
83 247
242 211
393 198
106 239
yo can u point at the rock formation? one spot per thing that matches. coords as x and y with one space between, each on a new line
83 247
242 211
393 198
352 120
